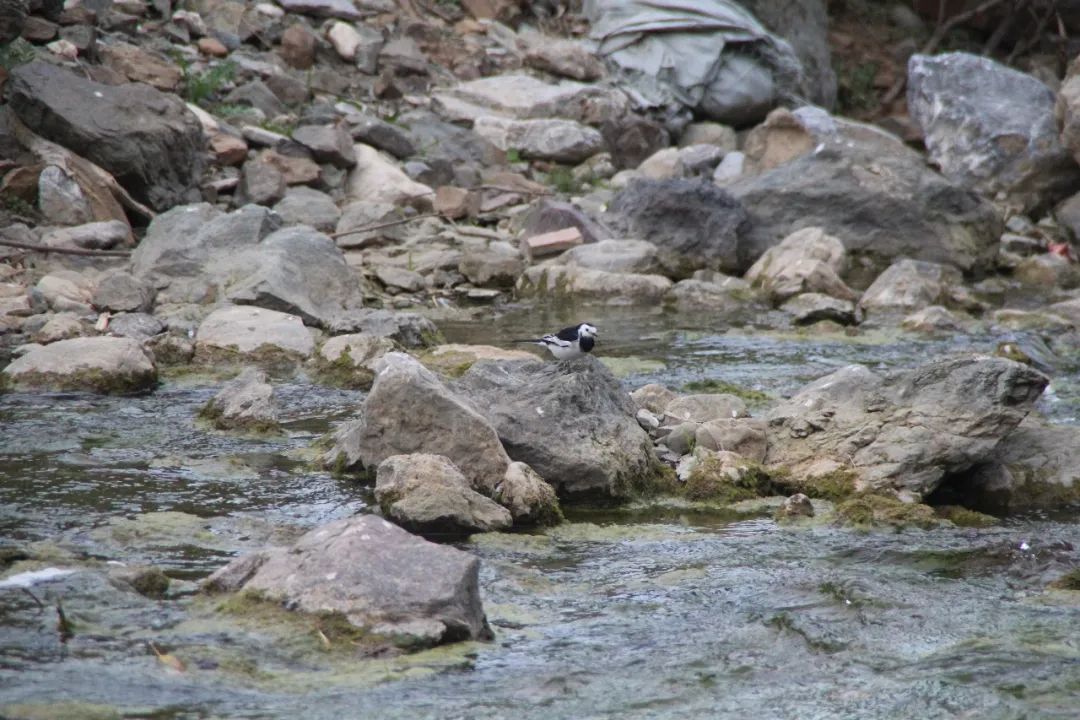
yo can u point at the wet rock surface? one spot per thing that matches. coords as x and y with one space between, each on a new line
379 577
905 431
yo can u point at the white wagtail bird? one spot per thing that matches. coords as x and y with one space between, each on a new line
568 343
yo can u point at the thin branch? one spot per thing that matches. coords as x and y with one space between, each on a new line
1033 39
380 226
64 250
935 40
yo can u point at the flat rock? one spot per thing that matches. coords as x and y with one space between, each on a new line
524 97
343 9
702 407
562 141
327 143
98 364
307 206
251 330
90 236
809 308
569 281
381 578
616 256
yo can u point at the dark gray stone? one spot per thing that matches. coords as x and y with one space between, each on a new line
694 224
148 140
573 423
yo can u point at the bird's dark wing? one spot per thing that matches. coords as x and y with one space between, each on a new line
569 334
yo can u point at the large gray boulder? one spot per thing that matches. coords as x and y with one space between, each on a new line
866 188
147 139
245 257
694 224
297 270
98 364
427 494
193 240
409 410
904 431
379 577
990 128
573 423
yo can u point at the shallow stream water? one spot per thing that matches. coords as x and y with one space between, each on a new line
651 612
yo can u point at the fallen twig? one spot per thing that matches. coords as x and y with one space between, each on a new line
380 226
64 250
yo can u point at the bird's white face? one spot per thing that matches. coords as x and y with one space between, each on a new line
587 330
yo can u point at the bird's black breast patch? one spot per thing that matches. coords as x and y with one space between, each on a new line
586 343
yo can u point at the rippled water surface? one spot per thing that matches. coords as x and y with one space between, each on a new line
663 613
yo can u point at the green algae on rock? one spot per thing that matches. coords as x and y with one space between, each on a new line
104 365
867 510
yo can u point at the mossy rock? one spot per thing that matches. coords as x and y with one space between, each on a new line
714 480
213 415
867 510
271 358
963 517
93 380
713 386
59 710
342 372
836 485
1068 581
326 631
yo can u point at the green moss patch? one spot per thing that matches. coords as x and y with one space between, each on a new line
710 480
92 380
748 395
835 486
963 517
867 510
342 372
1068 581
271 358
325 631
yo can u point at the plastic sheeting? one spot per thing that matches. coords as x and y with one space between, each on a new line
709 55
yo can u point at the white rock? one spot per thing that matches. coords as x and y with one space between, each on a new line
345 39
377 178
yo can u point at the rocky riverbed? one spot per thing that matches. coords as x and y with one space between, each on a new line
269 446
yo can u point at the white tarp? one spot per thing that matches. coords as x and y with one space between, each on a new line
710 55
